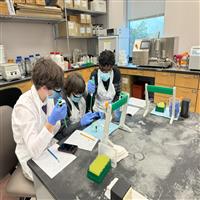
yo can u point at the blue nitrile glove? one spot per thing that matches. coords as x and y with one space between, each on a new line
117 115
101 115
88 118
59 112
91 87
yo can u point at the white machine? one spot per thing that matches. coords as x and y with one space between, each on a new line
194 63
116 40
10 71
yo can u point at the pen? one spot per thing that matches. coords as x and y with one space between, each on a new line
87 136
53 155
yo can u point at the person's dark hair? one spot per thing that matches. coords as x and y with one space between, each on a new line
47 73
74 83
107 58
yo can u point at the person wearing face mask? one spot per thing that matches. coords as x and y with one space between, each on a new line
73 93
105 83
35 117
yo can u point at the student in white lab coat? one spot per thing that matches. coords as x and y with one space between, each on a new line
35 118
104 83
74 94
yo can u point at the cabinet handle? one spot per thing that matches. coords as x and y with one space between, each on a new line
194 91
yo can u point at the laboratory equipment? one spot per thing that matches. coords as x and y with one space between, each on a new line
114 152
76 55
116 40
194 63
161 90
10 71
155 52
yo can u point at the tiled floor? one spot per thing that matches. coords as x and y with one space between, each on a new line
3 194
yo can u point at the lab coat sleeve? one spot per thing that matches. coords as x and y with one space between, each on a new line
25 129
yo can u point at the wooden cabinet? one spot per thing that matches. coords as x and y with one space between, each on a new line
188 93
149 73
186 80
198 102
23 86
164 79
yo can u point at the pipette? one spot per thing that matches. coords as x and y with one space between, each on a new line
91 95
60 103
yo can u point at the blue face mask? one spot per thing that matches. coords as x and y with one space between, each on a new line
76 98
55 95
105 76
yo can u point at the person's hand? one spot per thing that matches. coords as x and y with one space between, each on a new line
91 87
59 112
101 115
88 118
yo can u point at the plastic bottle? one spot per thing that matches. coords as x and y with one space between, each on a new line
21 65
37 56
28 66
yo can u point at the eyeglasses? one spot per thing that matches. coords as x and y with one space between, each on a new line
57 90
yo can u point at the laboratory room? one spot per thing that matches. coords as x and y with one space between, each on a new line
99 100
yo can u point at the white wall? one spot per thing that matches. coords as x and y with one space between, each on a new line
116 14
28 38
182 18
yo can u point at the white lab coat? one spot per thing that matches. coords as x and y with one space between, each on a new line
77 114
104 95
30 134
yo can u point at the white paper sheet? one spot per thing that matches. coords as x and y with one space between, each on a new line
83 142
136 102
50 165
132 110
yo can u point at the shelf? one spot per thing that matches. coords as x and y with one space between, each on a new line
78 37
14 18
78 11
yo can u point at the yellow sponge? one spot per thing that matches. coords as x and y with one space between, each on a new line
99 164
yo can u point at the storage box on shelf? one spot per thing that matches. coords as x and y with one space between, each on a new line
98 6
69 3
3 8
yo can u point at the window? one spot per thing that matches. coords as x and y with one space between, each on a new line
145 28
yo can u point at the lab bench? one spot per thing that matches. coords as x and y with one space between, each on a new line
187 82
161 157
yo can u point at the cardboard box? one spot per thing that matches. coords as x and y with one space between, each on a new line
88 19
69 3
83 19
99 6
84 4
60 3
89 30
74 18
19 1
73 29
77 4
82 30
31 2
40 2
3 8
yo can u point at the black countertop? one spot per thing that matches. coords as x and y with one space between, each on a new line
4 83
170 69
162 162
